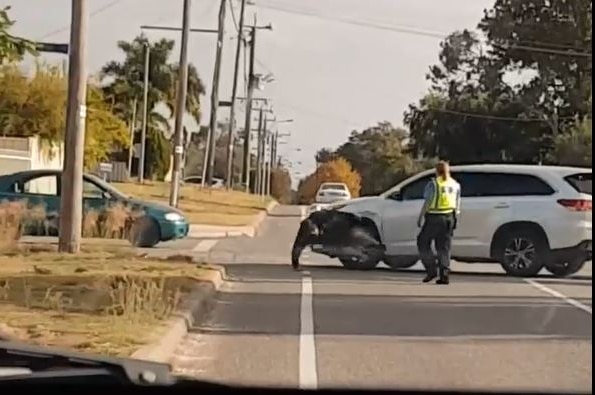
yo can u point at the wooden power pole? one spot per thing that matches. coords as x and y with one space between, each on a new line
180 108
71 194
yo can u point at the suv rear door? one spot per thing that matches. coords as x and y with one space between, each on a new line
492 199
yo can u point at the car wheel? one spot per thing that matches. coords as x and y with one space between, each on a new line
397 263
522 252
354 263
144 233
567 267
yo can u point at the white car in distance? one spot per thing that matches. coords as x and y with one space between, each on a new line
331 192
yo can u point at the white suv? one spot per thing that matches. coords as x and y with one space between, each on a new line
525 217
330 192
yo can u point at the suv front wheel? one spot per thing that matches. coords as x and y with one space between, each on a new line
522 252
567 267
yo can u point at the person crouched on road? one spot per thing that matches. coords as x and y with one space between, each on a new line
310 232
438 220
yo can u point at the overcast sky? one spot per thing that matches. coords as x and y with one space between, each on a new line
339 65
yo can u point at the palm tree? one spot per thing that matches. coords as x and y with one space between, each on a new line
123 84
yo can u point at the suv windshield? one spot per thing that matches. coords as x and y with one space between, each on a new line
336 187
582 182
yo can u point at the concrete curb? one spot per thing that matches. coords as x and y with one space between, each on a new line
250 230
192 312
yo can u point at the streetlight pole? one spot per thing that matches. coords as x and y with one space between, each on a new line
71 201
180 107
132 130
247 126
143 138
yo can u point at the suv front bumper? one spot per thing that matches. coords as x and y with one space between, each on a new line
585 248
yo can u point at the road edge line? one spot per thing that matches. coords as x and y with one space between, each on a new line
553 292
308 376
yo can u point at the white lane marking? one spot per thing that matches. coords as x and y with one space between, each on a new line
205 245
308 377
557 294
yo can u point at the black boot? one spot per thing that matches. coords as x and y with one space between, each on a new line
430 275
443 280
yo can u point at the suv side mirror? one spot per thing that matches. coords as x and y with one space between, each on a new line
396 196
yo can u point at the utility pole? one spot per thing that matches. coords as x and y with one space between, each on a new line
132 130
246 166
143 137
180 107
215 92
262 147
234 92
71 201
271 163
258 152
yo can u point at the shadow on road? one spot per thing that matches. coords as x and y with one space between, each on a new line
413 315
254 272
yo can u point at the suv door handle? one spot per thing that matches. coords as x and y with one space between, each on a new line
502 205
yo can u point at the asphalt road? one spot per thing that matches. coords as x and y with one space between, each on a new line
328 327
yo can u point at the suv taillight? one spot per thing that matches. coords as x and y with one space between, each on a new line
580 205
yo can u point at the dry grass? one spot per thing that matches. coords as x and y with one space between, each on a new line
101 301
16 219
203 206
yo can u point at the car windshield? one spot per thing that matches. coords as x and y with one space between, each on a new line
108 187
278 221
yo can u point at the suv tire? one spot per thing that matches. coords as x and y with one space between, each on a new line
368 263
370 258
522 252
144 233
398 263
567 267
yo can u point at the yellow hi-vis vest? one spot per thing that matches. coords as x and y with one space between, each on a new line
446 192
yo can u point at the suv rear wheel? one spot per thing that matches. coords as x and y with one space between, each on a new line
522 252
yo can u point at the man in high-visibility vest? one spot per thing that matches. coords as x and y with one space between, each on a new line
438 220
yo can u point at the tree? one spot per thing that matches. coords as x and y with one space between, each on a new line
379 155
337 170
325 155
471 99
123 83
281 185
12 48
37 107
575 148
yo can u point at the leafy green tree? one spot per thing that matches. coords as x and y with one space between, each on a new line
36 106
472 101
12 48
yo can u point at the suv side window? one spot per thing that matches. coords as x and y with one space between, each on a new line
415 190
478 184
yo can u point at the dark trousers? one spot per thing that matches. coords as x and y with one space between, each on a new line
437 228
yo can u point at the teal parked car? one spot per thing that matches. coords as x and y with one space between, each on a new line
154 223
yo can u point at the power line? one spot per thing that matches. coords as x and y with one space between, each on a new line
572 53
422 32
355 22
492 117
91 15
